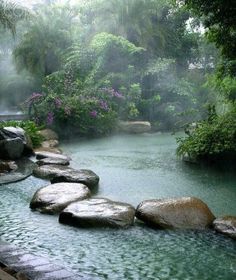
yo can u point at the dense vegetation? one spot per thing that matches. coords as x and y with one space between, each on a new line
108 60
215 137
93 63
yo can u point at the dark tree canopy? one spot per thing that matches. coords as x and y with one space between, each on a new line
219 17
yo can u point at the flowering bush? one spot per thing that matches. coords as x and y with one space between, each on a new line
84 114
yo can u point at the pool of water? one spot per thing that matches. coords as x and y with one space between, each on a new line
132 168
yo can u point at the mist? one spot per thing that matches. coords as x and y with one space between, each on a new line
151 55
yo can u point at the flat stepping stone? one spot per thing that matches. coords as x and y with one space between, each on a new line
32 266
226 225
55 161
176 213
98 212
54 198
58 174
48 154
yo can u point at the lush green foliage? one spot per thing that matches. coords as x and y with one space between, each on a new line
212 138
48 34
219 19
30 128
139 50
10 14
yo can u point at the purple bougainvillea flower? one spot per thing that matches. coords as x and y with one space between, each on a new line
34 97
93 114
104 105
58 102
114 93
50 118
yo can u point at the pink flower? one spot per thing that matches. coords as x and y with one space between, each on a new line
50 118
104 105
58 102
93 114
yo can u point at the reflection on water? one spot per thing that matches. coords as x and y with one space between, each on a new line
132 168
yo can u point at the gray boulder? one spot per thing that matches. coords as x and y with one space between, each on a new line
14 143
226 225
134 126
11 148
176 213
59 173
98 212
54 198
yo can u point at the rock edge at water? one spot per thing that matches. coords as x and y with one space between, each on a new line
226 225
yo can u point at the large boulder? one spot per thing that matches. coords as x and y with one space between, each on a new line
54 198
98 212
59 173
48 134
134 127
14 143
176 213
226 225
11 148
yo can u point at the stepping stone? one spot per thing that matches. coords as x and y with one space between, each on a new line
176 213
54 198
55 161
98 212
48 154
58 174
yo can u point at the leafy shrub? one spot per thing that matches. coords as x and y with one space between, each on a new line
30 127
85 114
213 138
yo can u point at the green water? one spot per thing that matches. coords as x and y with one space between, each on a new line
131 168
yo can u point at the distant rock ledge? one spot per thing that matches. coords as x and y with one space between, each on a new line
135 127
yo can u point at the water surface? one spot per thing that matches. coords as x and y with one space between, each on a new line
131 168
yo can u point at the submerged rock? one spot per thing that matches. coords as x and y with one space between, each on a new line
55 161
98 212
226 225
176 213
134 127
59 173
54 198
